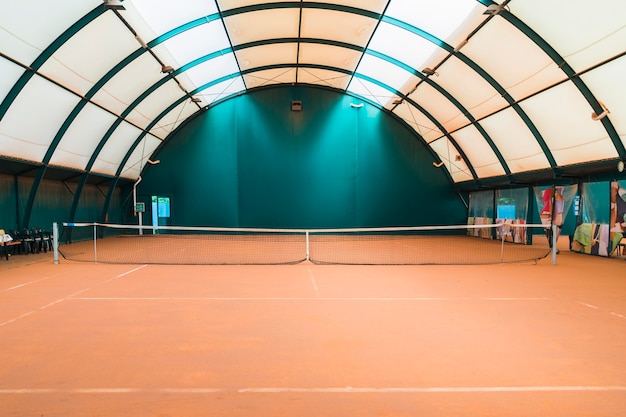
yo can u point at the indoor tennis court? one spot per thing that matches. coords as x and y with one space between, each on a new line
309 340
375 208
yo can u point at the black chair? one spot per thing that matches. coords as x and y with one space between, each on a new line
43 239
28 241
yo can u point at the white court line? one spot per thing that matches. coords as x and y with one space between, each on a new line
69 297
313 282
621 316
318 390
25 284
313 298
436 389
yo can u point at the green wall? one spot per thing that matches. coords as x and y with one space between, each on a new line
252 162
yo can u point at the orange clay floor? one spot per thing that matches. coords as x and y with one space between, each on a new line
84 339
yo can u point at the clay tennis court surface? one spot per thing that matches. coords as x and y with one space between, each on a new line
84 339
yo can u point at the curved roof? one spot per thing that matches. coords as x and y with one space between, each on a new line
496 90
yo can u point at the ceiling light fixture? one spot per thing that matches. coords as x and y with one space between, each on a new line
166 69
437 164
429 71
356 106
602 115
151 162
113 5
195 100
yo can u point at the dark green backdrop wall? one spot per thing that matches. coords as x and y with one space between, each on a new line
253 162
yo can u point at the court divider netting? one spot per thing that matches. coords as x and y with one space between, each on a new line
186 245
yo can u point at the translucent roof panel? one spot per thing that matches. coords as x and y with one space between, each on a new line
510 89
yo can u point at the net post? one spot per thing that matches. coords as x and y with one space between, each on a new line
55 242
307 246
502 234
95 249
554 240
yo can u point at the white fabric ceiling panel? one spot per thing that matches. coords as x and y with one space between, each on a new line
221 90
173 119
82 137
612 94
323 77
152 18
469 88
119 92
35 117
233 4
339 26
447 152
386 72
258 56
139 157
418 121
28 27
10 74
155 103
86 57
253 26
439 18
371 91
269 77
481 155
115 149
528 68
567 127
515 141
392 40
439 106
210 70
333 56
376 6
582 36
185 47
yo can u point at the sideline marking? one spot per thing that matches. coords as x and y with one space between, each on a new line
25 284
621 316
314 390
69 297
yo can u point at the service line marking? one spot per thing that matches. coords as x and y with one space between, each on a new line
304 299
317 390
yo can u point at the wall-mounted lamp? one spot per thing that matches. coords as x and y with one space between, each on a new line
602 115
437 164
151 162
166 69
113 5
397 102
429 71
195 100
356 106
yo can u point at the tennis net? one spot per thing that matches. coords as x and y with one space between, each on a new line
459 244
